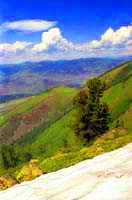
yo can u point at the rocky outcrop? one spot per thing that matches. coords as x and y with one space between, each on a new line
6 182
29 172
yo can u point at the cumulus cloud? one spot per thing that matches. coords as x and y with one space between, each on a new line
6 48
27 25
55 46
111 38
53 38
122 35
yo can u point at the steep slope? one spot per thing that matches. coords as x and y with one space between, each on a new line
119 98
34 114
119 93
58 136
106 177
52 141
23 117
121 73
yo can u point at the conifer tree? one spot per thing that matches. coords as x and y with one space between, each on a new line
92 118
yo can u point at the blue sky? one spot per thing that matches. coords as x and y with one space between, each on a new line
64 29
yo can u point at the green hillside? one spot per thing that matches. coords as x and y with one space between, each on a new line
29 103
119 74
33 113
118 97
59 136
53 142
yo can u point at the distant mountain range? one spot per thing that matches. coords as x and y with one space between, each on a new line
19 80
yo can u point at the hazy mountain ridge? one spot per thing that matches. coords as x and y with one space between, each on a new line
32 78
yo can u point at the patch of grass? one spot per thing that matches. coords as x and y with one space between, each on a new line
108 142
119 74
119 98
58 135
126 118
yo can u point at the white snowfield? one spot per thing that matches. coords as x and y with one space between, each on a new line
106 177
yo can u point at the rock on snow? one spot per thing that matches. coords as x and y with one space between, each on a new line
105 177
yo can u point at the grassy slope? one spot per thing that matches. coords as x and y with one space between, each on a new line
108 142
31 102
59 136
118 74
52 143
36 113
118 97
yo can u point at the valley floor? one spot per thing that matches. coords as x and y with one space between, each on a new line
105 177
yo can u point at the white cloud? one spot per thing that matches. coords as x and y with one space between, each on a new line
111 38
53 38
54 46
122 35
6 48
28 25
